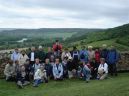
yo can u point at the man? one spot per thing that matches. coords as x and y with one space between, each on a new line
49 53
75 57
112 59
15 55
57 48
58 70
9 71
104 52
48 68
41 54
32 56
83 55
36 65
102 70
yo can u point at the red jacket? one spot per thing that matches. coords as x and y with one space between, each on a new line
97 56
57 47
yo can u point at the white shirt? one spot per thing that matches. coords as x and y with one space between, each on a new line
104 67
32 56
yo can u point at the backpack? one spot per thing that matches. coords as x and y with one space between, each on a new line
82 56
76 55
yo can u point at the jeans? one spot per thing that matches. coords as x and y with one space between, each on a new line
37 82
87 74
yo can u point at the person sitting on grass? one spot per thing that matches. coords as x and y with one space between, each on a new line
48 68
86 71
58 70
64 63
9 71
21 77
40 76
102 70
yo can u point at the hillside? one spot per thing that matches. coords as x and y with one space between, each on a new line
118 36
35 37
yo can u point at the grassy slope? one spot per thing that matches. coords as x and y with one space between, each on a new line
117 86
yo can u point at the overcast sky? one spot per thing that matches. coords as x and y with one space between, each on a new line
63 13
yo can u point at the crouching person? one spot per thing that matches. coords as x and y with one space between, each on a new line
9 71
86 72
40 76
58 70
21 77
102 70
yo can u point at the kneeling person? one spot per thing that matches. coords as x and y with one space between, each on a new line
102 70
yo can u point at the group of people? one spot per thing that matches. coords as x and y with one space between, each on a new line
58 64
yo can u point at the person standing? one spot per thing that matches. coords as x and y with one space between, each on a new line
23 57
57 48
83 55
32 56
15 55
112 59
41 54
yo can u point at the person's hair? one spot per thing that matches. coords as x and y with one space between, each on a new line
57 40
16 61
102 59
58 58
10 62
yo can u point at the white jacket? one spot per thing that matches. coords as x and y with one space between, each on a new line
104 67
22 59
38 74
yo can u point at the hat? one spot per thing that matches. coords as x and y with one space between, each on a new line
104 45
40 47
90 47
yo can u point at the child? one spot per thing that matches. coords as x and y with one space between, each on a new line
102 70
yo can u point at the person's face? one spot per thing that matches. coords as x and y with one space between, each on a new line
17 62
57 43
97 50
23 52
37 61
102 62
90 49
47 61
22 68
16 50
33 49
57 61
49 49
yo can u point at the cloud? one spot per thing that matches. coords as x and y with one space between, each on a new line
63 13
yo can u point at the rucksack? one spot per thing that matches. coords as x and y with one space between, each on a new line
76 55
82 56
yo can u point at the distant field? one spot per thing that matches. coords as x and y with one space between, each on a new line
113 86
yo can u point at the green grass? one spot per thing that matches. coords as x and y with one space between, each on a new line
114 86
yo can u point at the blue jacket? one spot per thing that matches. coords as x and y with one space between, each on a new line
85 53
112 57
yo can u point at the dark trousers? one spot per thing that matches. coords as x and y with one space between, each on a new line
113 69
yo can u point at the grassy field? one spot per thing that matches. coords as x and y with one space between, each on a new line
114 86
